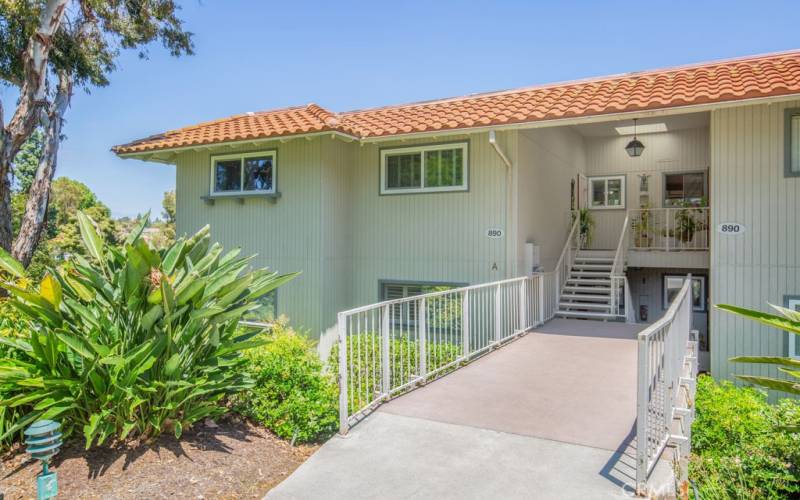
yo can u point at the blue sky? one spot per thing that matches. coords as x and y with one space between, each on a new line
256 55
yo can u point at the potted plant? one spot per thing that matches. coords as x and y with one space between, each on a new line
689 220
643 228
585 226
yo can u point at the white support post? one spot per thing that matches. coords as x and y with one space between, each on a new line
344 426
423 347
667 215
541 298
523 306
465 324
642 417
386 374
498 320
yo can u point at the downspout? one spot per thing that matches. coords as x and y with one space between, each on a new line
493 141
500 153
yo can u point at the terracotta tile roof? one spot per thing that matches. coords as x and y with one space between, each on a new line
264 124
716 82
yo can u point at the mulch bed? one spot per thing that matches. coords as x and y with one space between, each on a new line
229 459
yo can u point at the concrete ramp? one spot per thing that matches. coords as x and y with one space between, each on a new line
550 415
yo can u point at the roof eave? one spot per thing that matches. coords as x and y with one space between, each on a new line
151 155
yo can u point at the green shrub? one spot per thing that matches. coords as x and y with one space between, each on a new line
135 341
364 363
12 326
738 449
291 396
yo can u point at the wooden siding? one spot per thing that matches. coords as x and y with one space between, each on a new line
676 151
286 235
429 237
549 159
762 265
332 224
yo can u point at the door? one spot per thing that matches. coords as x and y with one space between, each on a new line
583 192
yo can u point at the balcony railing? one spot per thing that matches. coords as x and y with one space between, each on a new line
670 229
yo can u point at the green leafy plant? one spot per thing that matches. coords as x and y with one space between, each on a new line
364 362
292 396
585 226
643 228
12 326
738 449
788 321
688 220
131 341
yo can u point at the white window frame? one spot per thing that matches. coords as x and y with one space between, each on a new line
702 279
606 206
464 186
793 303
241 157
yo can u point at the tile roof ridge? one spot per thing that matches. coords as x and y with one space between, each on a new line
329 118
578 81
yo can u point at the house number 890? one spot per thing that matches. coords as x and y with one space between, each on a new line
730 228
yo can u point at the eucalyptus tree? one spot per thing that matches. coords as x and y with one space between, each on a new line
47 49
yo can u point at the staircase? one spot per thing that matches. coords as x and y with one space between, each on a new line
587 290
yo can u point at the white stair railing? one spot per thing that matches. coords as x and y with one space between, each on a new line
567 258
388 348
667 371
618 268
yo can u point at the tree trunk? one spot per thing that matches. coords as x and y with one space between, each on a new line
32 98
39 193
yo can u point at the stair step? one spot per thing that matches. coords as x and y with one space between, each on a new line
600 260
584 314
588 289
598 267
583 305
590 281
590 273
583 296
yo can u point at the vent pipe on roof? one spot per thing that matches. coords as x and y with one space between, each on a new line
500 153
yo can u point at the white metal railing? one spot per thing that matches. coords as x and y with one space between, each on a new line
618 280
667 365
567 257
670 229
387 348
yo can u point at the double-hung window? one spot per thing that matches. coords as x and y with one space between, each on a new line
607 192
791 138
243 173
441 167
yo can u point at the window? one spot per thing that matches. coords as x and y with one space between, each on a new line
793 303
687 188
243 173
440 167
405 313
607 192
673 285
791 138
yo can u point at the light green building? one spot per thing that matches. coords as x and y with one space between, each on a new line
386 202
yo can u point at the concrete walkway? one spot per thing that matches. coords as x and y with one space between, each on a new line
550 415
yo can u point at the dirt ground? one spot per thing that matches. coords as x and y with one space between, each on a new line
230 459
